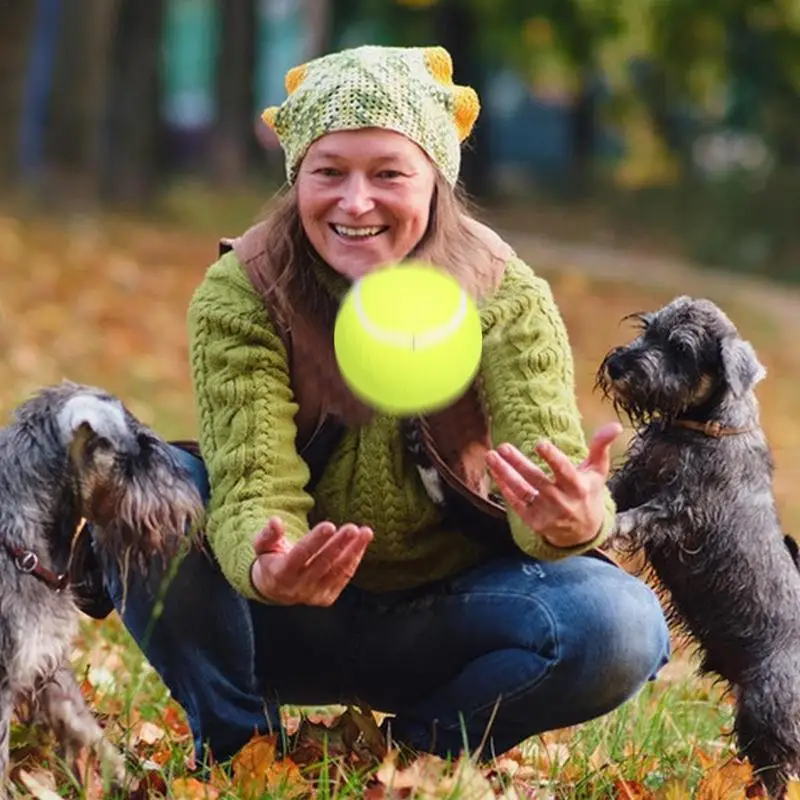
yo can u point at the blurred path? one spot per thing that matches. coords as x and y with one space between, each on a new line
599 261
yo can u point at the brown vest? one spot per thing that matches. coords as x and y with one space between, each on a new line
454 441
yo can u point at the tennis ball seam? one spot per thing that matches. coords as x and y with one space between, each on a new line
417 341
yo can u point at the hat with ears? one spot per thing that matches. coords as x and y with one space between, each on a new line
405 89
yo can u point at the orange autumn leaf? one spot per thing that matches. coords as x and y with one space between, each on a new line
793 790
192 789
257 771
728 781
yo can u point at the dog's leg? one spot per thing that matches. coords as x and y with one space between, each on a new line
6 709
60 704
767 727
629 525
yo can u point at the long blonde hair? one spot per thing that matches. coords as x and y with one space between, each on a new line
284 278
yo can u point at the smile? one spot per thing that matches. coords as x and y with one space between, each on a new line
366 232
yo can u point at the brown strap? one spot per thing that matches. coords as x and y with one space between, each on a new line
483 517
26 561
711 428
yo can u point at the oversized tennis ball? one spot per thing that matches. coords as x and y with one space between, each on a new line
408 339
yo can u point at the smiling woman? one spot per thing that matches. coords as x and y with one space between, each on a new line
364 198
450 548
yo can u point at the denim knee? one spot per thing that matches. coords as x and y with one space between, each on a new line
622 643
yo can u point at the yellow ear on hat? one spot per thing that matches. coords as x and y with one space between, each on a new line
294 77
466 107
269 115
439 64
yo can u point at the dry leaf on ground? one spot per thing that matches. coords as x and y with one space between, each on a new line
727 781
192 789
257 771
40 783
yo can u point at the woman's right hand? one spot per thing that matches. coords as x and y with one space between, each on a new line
313 571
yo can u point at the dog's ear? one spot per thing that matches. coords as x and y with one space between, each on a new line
86 414
82 437
740 364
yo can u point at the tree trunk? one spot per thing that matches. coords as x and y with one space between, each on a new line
583 135
15 45
133 149
318 14
75 125
457 30
232 140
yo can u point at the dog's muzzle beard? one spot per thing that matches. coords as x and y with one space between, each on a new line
642 388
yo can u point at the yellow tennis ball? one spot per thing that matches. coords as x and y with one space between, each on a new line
408 339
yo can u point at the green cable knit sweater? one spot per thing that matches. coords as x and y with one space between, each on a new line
247 434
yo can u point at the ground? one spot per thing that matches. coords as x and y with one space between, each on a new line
104 303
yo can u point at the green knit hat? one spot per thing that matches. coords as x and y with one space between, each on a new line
405 89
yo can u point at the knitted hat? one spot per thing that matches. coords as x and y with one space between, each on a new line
405 89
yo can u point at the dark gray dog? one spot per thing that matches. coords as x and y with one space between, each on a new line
695 497
71 453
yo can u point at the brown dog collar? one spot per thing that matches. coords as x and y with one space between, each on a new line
711 427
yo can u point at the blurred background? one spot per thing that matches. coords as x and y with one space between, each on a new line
631 150
668 121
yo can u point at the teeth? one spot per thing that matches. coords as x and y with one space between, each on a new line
343 230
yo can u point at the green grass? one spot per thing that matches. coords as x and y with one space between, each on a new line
666 741
663 739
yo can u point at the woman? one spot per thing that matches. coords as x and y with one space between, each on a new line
341 570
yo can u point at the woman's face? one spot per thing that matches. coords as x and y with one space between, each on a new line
364 198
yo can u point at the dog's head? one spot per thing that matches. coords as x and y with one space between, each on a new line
141 502
688 355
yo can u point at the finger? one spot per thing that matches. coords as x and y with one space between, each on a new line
343 566
309 544
599 457
267 539
531 472
510 482
565 473
336 541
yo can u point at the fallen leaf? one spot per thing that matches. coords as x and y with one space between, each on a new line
631 790
431 778
151 785
726 782
257 771
793 790
147 733
192 789
39 783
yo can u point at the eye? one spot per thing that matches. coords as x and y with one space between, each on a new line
327 172
390 174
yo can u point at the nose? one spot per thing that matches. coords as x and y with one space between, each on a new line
356 199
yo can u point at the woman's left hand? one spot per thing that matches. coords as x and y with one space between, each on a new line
567 509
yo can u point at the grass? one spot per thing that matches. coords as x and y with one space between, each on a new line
103 301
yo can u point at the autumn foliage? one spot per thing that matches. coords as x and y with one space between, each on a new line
105 303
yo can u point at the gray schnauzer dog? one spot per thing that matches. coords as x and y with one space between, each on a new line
74 453
695 497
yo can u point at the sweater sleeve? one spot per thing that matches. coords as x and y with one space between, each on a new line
246 414
529 387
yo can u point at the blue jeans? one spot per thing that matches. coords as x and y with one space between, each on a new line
555 643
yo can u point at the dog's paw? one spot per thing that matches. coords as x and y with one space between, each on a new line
113 763
626 524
